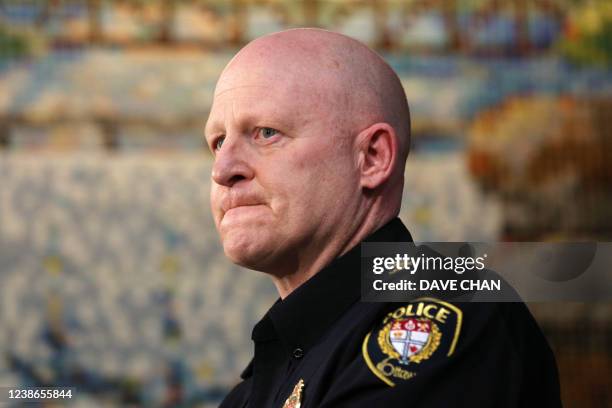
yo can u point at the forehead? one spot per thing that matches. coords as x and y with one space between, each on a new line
251 104
253 97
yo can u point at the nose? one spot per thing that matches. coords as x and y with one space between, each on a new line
231 164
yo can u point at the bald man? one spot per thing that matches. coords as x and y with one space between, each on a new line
310 132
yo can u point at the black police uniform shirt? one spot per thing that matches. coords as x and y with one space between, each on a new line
322 347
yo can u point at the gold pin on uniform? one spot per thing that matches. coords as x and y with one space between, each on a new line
295 399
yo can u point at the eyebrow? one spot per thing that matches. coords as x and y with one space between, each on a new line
274 115
248 119
211 128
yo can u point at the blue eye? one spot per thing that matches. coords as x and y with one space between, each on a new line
218 143
268 132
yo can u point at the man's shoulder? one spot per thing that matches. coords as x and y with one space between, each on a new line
429 349
442 327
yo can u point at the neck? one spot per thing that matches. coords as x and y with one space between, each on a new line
322 255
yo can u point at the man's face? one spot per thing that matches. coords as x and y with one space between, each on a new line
284 173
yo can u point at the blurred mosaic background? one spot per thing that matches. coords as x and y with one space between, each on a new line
111 276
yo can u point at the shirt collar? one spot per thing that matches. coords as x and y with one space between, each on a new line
303 316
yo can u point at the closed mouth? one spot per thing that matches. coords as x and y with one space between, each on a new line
241 206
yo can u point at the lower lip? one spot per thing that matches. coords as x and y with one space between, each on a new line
243 211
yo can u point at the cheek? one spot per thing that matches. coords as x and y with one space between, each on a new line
214 202
302 164
308 181
315 187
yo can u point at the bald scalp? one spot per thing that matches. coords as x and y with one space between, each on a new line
329 71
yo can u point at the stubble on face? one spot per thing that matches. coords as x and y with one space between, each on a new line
313 85
269 221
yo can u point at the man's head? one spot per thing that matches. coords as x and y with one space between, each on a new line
310 132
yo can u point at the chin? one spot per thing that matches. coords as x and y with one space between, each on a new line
241 258
245 252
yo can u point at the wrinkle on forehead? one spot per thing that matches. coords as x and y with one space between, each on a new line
339 75
258 105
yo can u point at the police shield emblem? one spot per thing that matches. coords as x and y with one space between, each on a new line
411 335
410 338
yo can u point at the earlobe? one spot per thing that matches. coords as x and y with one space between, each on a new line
378 154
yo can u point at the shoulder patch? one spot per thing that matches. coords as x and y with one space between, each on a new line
407 338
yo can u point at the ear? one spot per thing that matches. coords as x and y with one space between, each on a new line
378 149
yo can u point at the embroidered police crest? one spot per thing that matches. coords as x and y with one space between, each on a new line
411 335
